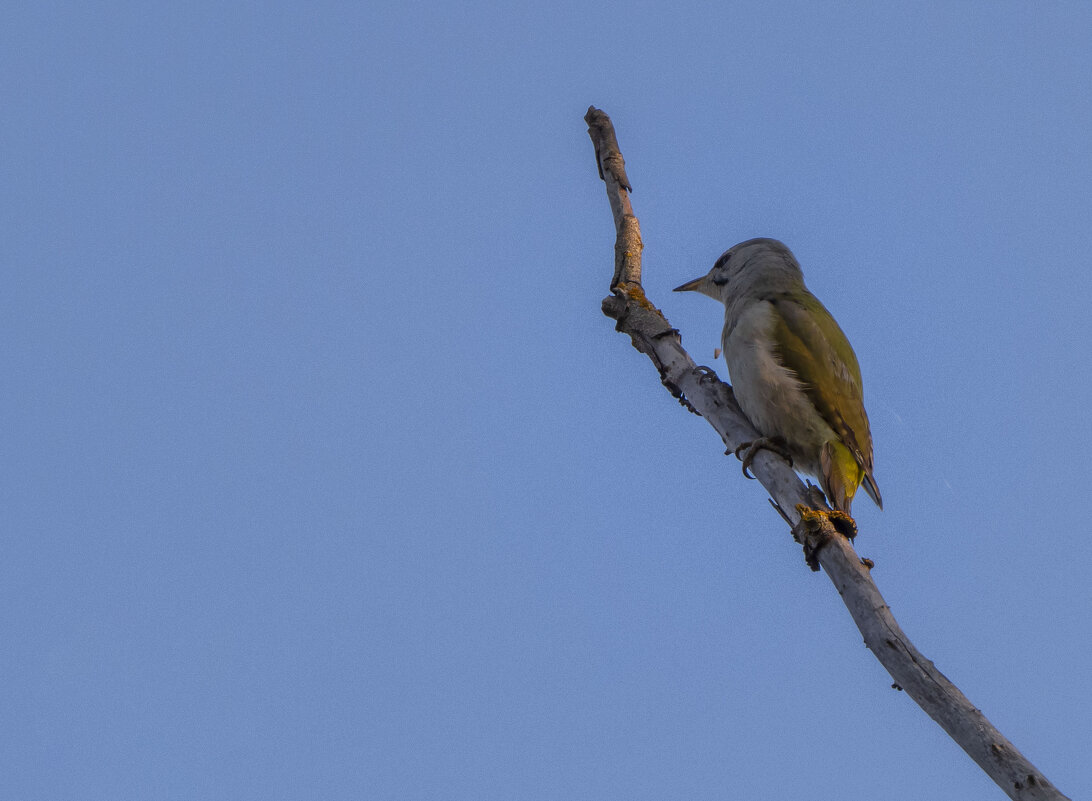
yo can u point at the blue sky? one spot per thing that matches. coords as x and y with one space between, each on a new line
324 476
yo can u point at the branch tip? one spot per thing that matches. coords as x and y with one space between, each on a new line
607 152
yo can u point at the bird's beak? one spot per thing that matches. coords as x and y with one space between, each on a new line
691 286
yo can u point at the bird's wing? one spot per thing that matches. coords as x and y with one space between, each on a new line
813 346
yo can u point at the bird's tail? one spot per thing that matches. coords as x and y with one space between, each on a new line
841 474
869 484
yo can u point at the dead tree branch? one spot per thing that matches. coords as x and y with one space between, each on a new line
702 392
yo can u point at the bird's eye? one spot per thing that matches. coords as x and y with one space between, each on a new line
720 272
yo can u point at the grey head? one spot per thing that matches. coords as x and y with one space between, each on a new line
752 268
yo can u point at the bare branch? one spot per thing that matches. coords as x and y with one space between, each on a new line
702 392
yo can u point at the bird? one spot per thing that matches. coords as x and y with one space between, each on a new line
793 371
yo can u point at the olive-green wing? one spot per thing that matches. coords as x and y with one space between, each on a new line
813 346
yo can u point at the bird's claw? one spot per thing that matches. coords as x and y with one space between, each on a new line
775 444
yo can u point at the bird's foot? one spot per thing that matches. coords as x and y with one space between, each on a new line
707 373
776 444
812 532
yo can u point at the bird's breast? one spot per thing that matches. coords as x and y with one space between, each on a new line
770 394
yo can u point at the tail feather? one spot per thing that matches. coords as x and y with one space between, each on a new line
840 474
869 484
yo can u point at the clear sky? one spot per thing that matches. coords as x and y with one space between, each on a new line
322 476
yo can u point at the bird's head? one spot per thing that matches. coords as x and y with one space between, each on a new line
751 267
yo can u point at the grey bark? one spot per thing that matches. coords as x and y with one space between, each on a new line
702 392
